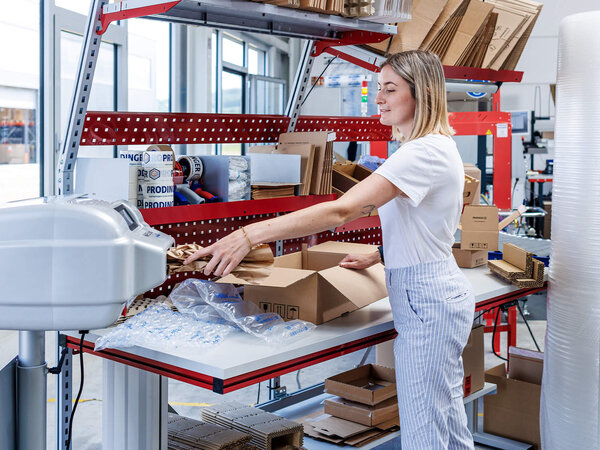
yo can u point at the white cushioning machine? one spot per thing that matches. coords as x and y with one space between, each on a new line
73 263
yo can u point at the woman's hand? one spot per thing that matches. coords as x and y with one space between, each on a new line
360 261
226 253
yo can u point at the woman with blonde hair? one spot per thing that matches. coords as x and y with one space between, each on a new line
418 192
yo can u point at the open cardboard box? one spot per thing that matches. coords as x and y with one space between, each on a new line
348 175
369 384
309 285
514 412
364 414
470 190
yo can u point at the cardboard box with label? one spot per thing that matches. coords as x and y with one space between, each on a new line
309 285
514 412
479 227
474 172
473 362
469 259
369 384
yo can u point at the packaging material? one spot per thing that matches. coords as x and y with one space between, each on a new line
162 329
546 233
322 142
345 176
134 157
471 189
479 228
189 433
364 414
514 412
227 177
301 286
192 167
469 259
307 156
192 296
268 431
517 266
525 365
474 172
256 264
339 431
156 177
369 384
474 362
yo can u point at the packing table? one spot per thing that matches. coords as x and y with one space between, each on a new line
134 399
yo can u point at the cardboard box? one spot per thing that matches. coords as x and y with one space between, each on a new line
473 362
470 190
525 365
364 414
345 176
370 384
479 228
474 172
309 285
514 412
469 258
546 233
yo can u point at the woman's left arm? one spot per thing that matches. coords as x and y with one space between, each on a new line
371 193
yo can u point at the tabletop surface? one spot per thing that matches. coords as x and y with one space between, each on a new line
241 353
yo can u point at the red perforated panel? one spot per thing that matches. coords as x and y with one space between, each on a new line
122 128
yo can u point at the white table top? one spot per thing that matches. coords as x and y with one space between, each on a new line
240 353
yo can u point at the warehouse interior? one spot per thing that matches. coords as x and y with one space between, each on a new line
134 133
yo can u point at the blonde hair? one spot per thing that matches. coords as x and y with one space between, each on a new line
424 74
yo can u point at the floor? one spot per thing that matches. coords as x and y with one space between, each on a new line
188 400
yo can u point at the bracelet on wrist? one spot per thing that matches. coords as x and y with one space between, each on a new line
247 238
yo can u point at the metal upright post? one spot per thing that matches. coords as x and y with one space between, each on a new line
298 93
31 391
78 108
64 394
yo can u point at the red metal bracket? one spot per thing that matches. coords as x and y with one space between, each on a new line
121 14
351 38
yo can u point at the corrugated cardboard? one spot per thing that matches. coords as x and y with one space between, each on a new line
514 412
364 414
315 295
479 225
469 258
471 189
370 384
474 172
345 176
329 254
473 362
525 365
472 22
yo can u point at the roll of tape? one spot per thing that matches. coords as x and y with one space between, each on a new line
158 157
157 173
153 203
134 156
192 167
157 190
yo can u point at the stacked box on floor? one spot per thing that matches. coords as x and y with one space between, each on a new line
366 407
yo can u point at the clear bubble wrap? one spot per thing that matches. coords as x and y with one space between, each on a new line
207 313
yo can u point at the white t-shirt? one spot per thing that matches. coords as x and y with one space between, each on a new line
420 228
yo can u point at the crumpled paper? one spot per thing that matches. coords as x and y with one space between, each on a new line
255 265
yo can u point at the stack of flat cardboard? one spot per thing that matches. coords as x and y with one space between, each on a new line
514 412
322 142
186 433
471 33
307 157
365 410
518 267
359 8
265 190
268 431
286 3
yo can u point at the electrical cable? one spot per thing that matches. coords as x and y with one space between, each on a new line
527 323
298 379
258 395
317 80
494 336
83 333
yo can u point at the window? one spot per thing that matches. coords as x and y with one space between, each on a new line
19 91
148 65
256 61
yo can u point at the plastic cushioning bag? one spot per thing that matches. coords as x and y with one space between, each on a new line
207 313
193 295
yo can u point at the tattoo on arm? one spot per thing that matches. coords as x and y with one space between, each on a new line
368 209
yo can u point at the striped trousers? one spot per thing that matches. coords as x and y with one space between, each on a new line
433 307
